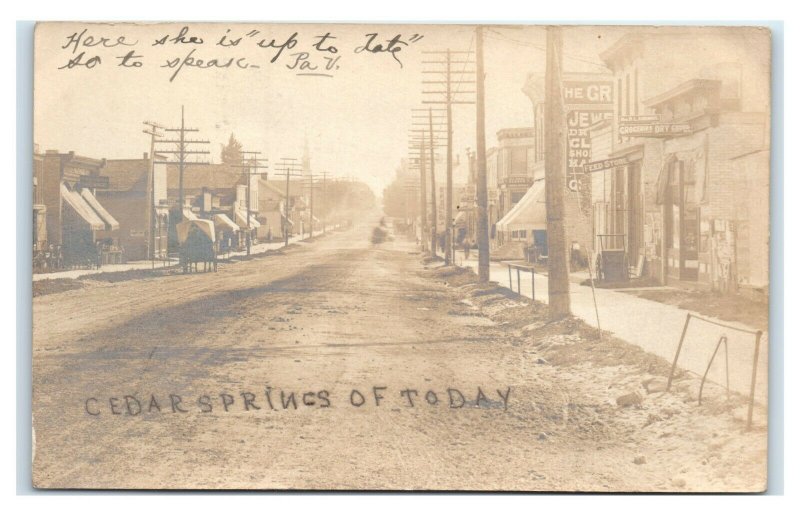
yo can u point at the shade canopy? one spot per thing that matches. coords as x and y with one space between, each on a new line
223 221
241 219
110 222
530 213
205 226
79 205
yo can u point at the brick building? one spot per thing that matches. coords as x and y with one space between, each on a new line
140 215
685 144
75 222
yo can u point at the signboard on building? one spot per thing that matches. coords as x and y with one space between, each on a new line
89 181
592 93
588 99
605 164
579 145
518 181
639 119
654 130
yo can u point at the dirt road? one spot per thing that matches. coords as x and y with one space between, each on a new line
345 365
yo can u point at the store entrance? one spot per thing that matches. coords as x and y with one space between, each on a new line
682 217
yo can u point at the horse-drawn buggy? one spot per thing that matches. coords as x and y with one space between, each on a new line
197 243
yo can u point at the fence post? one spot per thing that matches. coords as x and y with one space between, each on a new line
753 381
678 351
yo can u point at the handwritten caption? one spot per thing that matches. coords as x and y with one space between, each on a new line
315 55
279 399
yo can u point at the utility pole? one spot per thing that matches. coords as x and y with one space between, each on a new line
291 168
311 203
423 196
417 150
152 130
434 207
555 181
450 98
423 122
481 187
324 201
250 167
181 151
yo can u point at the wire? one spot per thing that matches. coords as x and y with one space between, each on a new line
542 48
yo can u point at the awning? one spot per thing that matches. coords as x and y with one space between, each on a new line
91 200
530 213
80 206
223 221
461 219
188 214
206 226
241 219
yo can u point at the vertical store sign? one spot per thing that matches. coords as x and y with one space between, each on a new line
586 101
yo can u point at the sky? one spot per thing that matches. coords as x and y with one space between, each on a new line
356 121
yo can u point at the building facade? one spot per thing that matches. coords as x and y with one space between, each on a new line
684 146
137 198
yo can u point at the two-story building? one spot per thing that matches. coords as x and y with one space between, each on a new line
77 225
672 170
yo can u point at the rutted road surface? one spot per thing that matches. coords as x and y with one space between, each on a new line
336 365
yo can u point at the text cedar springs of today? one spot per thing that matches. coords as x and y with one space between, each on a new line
278 399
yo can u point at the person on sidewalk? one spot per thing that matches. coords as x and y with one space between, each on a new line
466 249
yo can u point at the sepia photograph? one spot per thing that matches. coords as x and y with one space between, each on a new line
401 257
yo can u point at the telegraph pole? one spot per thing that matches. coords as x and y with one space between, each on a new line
324 201
555 181
181 151
423 196
311 203
291 168
450 98
481 187
423 122
250 167
434 207
417 148
152 130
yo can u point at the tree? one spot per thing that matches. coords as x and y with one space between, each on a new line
231 153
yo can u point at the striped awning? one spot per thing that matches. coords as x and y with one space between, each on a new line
241 219
223 221
74 200
110 222
530 213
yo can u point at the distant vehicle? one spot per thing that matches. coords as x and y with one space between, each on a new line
196 239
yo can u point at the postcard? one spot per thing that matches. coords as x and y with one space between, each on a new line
400 257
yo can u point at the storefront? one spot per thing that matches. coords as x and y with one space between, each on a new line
526 223
251 228
83 222
227 233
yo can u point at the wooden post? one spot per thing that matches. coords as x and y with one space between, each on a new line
753 381
481 187
555 181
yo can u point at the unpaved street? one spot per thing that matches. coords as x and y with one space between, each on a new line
345 365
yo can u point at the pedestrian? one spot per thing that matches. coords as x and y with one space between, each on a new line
466 249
